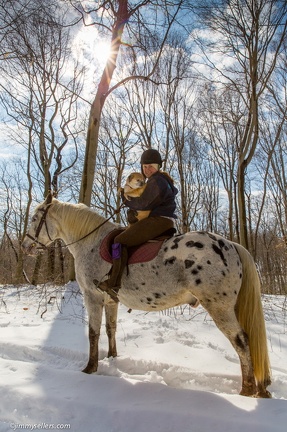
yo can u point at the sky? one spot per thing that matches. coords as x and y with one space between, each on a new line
174 372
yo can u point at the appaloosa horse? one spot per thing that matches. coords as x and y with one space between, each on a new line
196 265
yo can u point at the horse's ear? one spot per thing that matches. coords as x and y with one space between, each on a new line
49 198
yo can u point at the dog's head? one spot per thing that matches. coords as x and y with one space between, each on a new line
135 180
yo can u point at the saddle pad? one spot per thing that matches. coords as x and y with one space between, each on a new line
137 254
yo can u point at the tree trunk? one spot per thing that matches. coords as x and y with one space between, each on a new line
243 238
97 106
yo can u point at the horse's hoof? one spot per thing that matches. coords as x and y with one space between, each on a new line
264 394
248 392
89 369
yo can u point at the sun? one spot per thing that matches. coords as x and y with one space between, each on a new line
102 51
88 47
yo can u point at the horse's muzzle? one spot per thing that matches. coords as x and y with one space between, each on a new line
30 247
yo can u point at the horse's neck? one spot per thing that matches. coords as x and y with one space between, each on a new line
79 225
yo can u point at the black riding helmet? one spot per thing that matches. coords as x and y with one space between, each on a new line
151 156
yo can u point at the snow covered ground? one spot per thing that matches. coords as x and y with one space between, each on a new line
175 370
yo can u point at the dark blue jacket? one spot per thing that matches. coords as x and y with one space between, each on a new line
158 196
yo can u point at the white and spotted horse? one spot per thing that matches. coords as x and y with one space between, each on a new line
196 265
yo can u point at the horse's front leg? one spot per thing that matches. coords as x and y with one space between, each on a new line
111 311
92 365
95 312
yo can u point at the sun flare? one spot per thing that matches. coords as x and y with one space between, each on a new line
102 52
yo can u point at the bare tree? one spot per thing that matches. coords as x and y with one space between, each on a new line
39 91
120 18
113 158
12 217
48 103
249 36
219 115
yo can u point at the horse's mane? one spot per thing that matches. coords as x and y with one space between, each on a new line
77 218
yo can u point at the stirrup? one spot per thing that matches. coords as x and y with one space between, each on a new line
113 293
104 287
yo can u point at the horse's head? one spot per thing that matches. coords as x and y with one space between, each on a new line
39 234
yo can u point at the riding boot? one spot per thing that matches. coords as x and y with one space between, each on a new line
113 284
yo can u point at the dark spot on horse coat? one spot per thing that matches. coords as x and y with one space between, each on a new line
157 295
192 243
175 243
188 263
170 260
208 262
198 281
218 251
222 245
149 299
212 236
197 270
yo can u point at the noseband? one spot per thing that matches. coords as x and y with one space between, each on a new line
39 227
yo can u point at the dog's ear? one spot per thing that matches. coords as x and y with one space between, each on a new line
130 177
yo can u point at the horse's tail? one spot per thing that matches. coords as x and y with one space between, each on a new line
249 312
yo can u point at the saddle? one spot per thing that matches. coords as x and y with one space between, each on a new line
137 254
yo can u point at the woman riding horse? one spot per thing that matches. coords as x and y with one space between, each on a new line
159 198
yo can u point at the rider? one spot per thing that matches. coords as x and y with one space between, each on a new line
159 198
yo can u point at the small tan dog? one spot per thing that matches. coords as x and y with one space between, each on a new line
135 185
133 188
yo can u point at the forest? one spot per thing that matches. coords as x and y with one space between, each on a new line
87 86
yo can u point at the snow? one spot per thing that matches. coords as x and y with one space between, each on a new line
175 370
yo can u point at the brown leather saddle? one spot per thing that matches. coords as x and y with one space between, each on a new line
137 254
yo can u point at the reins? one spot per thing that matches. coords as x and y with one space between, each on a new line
98 227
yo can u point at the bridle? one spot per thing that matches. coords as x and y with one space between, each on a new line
44 222
39 227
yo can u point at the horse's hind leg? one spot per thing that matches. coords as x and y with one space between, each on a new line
225 319
111 311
